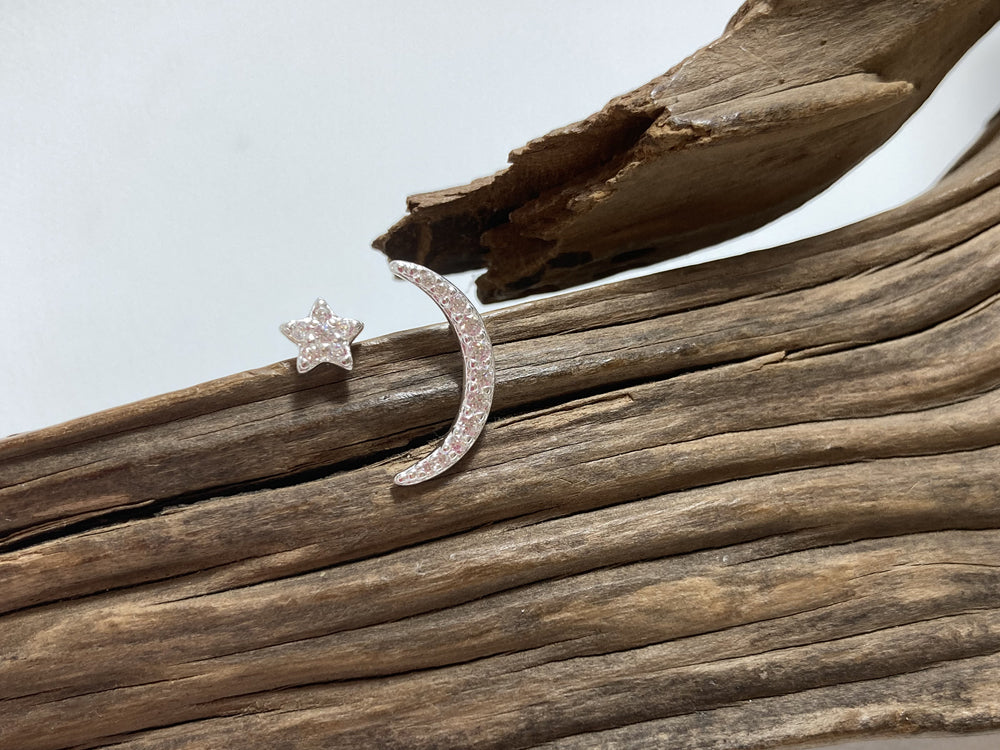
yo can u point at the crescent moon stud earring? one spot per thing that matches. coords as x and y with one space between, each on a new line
326 337
479 374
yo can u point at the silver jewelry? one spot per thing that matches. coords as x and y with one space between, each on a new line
479 376
323 337
326 337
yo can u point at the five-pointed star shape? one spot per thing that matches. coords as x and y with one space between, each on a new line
323 337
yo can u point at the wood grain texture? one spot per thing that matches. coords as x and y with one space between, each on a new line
738 505
796 92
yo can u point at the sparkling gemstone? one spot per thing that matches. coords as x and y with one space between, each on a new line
478 367
322 337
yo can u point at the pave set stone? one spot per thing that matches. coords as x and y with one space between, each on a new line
479 376
323 337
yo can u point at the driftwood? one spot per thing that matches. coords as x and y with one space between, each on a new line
793 94
734 505
739 505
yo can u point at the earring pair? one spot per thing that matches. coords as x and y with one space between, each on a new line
325 337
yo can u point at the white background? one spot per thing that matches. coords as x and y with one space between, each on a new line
180 177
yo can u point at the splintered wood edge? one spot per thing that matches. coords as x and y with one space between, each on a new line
794 93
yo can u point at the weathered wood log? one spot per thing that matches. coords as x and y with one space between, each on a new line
733 505
794 93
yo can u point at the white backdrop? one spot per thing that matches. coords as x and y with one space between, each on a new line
180 177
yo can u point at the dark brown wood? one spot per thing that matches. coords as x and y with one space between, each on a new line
738 505
795 93
734 505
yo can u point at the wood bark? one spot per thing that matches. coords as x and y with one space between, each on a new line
737 505
795 92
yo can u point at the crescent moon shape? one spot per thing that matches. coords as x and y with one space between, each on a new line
477 389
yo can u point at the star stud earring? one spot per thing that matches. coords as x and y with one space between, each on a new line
323 337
